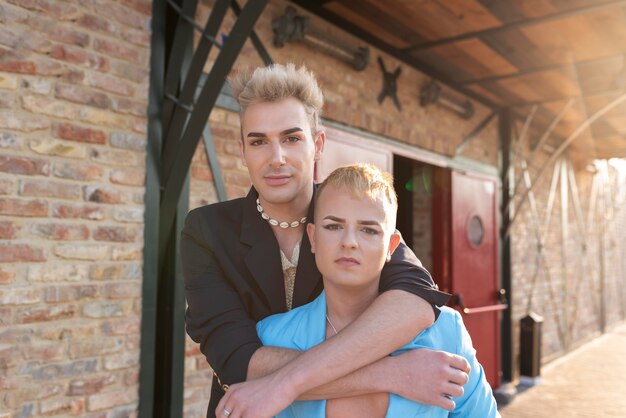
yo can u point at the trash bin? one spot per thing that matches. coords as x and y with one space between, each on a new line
530 349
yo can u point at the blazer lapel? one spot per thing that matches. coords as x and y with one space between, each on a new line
263 259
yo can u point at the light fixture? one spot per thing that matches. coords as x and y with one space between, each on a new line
432 93
291 27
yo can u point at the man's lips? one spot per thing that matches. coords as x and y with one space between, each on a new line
347 261
277 180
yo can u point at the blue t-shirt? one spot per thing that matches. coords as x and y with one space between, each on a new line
305 327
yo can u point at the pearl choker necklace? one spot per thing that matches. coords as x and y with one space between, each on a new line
274 222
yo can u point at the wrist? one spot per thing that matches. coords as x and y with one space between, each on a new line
386 374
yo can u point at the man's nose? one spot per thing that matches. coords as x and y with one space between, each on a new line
348 238
278 156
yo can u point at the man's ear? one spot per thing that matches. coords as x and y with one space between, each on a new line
394 241
241 149
320 140
310 230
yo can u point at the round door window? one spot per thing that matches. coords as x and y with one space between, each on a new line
475 230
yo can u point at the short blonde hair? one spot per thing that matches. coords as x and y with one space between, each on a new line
364 180
276 82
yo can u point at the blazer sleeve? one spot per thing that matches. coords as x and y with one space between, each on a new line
215 318
405 272
477 399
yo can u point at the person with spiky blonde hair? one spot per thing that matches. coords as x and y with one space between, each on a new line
248 258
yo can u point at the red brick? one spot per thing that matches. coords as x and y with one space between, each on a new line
109 83
104 194
80 172
128 71
201 173
45 314
39 85
233 135
122 14
131 107
61 210
88 252
128 214
23 165
7 186
8 230
124 326
119 50
51 8
95 348
47 188
15 253
117 157
126 253
128 141
89 386
97 23
8 100
20 296
45 353
237 178
78 133
14 62
111 399
123 290
62 406
58 272
142 6
57 148
68 36
82 95
62 232
80 57
22 207
62 294
24 122
136 37
50 107
6 277
115 234
105 117
129 177
107 272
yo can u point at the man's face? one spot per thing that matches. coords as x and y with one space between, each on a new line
351 239
279 150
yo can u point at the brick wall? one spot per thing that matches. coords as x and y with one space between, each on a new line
73 100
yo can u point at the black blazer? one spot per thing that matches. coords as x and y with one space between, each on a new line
234 278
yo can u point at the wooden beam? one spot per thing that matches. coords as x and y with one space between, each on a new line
516 25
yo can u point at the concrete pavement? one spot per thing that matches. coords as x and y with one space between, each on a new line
589 382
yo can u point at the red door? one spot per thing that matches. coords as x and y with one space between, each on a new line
465 254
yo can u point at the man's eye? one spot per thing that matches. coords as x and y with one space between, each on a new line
370 231
293 138
256 142
331 227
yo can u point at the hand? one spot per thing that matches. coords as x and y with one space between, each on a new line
430 377
259 398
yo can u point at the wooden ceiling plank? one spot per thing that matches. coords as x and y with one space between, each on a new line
478 57
520 24
390 37
389 16
471 14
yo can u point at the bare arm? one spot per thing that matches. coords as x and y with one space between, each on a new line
421 375
391 321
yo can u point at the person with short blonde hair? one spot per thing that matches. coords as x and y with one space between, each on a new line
353 236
